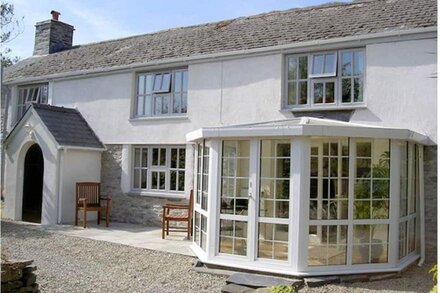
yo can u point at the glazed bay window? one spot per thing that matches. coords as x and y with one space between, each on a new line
28 94
326 79
161 93
159 168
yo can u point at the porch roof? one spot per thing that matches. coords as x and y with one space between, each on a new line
67 126
307 126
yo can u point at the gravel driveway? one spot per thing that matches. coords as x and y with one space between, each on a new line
72 264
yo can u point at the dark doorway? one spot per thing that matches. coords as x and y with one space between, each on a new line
33 184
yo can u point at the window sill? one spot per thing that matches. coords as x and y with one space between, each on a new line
324 108
161 194
155 118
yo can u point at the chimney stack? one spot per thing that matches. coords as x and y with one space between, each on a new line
52 35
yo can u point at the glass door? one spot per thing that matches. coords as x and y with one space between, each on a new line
234 198
273 200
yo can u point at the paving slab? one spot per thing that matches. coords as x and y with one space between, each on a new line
127 234
320 281
234 288
259 281
384 276
354 278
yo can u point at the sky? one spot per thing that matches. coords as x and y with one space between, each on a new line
99 20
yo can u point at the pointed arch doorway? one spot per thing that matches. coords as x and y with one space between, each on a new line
33 185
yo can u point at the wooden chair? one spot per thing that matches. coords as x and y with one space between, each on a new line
168 216
88 199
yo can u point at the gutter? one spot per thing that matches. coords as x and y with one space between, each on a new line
66 147
359 40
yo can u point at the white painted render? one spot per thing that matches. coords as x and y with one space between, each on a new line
62 168
77 166
400 92
401 86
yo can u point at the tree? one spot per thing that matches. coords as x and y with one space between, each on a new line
11 27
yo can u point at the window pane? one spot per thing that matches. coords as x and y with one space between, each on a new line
173 180
318 93
329 92
173 158
185 81
140 106
144 179
176 103
149 84
182 158
157 105
318 64
165 104
165 87
181 182
136 175
291 93
162 180
184 103
358 68
154 178
144 157
303 67
330 64
141 84
137 157
157 82
155 156
292 68
358 90
302 92
44 95
346 64
346 90
147 105
162 160
177 81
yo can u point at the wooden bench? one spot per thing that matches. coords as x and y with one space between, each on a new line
89 199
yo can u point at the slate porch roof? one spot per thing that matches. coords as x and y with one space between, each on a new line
67 125
332 20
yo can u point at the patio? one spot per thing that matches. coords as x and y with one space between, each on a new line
124 233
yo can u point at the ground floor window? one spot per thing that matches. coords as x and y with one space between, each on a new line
159 168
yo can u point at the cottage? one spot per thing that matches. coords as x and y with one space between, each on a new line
308 135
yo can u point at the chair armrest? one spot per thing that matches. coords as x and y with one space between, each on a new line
83 199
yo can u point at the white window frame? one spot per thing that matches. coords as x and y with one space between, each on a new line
156 168
23 102
310 105
323 74
323 81
167 91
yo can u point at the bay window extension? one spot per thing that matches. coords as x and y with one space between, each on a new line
161 93
27 94
325 80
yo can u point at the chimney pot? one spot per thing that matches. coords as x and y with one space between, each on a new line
55 14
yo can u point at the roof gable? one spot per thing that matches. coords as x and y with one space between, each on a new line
67 126
334 20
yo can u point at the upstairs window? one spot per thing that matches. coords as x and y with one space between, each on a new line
31 94
325 79
161 93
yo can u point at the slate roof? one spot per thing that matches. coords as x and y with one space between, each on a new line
68 126
333 20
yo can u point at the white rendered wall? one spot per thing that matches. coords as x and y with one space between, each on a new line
77 166
401 89
15 154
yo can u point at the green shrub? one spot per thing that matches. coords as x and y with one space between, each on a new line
283 289
434 271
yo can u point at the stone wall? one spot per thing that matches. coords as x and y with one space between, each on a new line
127 208
430 174
18 276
